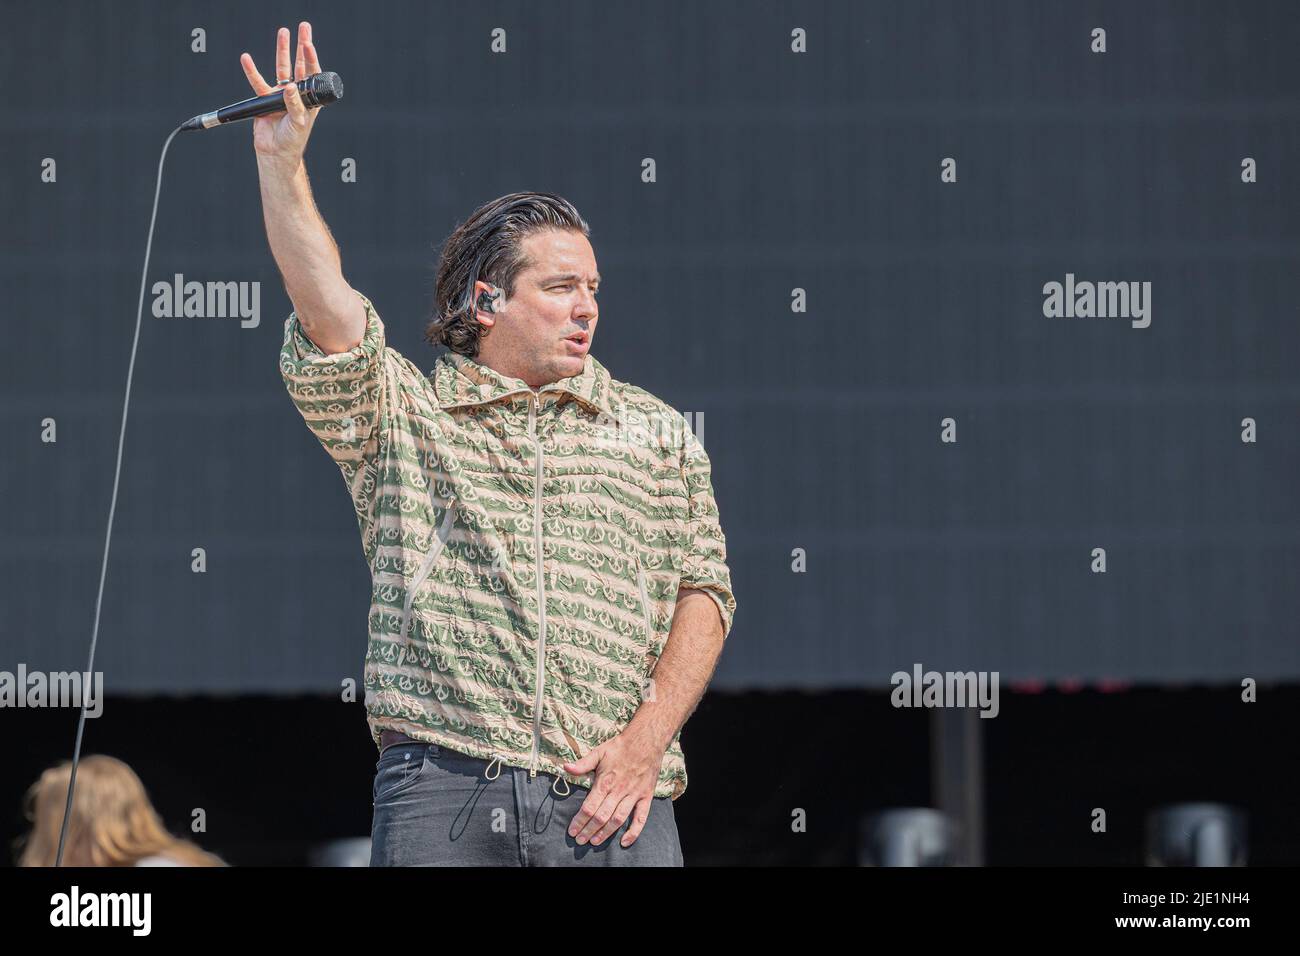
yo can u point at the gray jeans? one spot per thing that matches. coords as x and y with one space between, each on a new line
436 807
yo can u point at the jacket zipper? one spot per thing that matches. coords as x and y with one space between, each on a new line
541 586
435 549
533 400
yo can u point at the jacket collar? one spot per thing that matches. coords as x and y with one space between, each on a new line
458 381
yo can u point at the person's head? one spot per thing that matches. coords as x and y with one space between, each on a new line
515 281
112 822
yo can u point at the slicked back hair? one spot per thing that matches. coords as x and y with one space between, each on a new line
489 246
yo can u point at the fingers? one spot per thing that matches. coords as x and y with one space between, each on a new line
293 103
583 816
259 85
283 70
639 816
590 760
313 62
596 811
306 64
300 62
616 820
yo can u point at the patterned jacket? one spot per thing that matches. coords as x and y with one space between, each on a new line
525 547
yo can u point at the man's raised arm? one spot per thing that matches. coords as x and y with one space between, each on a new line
330 311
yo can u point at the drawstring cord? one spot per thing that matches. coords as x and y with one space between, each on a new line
493 770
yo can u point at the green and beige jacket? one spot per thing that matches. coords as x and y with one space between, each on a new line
525 546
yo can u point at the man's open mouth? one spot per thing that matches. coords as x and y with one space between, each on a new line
579 337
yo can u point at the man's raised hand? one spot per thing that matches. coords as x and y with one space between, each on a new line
282 137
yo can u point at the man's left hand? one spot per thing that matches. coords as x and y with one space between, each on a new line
626 769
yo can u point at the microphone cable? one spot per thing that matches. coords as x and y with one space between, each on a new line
112 508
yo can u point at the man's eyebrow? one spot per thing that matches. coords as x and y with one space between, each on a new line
566 277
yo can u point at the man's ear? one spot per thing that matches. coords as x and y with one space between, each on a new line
487 303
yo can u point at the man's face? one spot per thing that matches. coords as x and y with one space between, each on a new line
530 335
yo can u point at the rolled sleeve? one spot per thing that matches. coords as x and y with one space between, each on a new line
342 398
704 564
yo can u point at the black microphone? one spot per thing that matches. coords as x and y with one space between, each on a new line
319 89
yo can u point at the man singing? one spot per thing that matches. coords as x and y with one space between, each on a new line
550 588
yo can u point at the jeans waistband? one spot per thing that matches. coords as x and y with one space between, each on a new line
389 737
492 768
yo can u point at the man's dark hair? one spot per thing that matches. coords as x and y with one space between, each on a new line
488 246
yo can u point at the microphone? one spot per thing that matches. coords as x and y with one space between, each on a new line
319 89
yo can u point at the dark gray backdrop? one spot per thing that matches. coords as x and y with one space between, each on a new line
775 170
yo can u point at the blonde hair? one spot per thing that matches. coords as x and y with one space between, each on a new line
113 823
